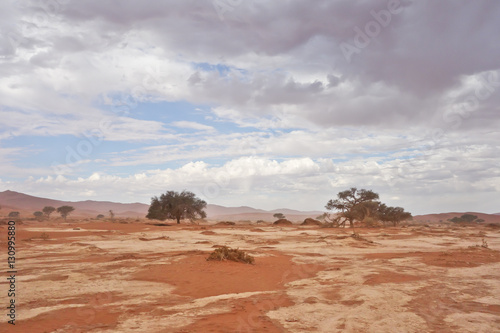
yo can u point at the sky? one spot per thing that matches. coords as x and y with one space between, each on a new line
269 104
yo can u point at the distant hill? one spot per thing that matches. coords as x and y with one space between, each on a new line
488 218
27 204
217 212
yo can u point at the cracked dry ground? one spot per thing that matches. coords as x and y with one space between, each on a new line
116 277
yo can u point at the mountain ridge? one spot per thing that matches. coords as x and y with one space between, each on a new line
27 204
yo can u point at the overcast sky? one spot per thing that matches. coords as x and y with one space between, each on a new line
268 104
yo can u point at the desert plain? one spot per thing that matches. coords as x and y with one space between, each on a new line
132 275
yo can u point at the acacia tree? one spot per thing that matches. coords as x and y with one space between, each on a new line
353 205
38 215
279 216
65 211
392 214
47 210
14 215
176 206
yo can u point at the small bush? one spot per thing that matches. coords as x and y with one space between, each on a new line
357 236
282 222
468 218
226 223
14 215
485 244
226 253
44 236
310 221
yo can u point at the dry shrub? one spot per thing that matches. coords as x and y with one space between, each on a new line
357 236
226 223
125 257
283 222
484 245
310 221
226 253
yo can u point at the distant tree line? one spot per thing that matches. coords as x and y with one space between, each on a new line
64 211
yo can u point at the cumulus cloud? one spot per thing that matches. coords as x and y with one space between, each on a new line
192 125
252 176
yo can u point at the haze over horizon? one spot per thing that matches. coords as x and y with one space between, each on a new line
253 103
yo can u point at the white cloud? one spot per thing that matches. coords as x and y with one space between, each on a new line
309 183
192 125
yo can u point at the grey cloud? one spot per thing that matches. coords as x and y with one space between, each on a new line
424 51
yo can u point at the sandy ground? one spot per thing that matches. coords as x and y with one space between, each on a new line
105 277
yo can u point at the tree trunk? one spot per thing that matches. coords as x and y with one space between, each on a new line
178 220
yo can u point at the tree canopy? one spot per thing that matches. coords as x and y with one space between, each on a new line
176 206
363 205
393 215
47 210
353 204
65 211
279 216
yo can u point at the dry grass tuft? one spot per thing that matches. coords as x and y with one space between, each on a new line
226 253
357 236
484 245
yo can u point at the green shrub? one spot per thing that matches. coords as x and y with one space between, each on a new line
468 218
226 253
